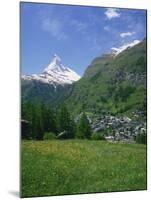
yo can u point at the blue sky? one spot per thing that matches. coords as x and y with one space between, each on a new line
77 34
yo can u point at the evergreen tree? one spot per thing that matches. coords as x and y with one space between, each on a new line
84 128
65 123
39 128
63 119
26 120
34 122
44 117
25 130
49 119
26 111
51 124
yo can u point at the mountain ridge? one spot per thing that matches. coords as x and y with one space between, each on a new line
113 85
55 73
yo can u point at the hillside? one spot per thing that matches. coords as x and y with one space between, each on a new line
36 92
113 84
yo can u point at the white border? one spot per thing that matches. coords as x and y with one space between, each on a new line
9 99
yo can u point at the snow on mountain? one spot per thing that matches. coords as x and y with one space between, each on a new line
55 73
116 51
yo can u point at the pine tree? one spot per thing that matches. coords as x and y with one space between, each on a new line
65 123
84 128
44 117
63 118
34 122
51 124
25 130
26 120
39 128
48 118
26 111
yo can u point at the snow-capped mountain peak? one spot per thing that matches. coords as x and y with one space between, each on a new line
55 73
116 51
55 64
56 59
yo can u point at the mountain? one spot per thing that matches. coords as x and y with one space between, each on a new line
51 86
116 51
112 92
55 73
113 83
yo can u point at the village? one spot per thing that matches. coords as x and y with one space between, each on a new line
118 128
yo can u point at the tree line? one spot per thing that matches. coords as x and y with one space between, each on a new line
40 120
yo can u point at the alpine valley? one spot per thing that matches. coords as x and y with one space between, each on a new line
112 90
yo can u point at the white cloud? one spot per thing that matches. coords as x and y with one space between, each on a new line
123 47
112 13
79 26
54 27
126 34
106 28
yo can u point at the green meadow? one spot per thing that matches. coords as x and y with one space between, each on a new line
81 166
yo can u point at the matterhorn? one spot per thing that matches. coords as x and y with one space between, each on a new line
55 73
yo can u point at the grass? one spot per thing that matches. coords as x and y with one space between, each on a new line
81 166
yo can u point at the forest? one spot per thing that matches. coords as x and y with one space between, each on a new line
41 121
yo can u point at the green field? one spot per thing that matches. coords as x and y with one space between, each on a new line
81 166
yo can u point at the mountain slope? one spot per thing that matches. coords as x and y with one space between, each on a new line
51 86
114 84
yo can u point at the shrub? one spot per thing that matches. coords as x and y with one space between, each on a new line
97 136
25 129
49 136
141 138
